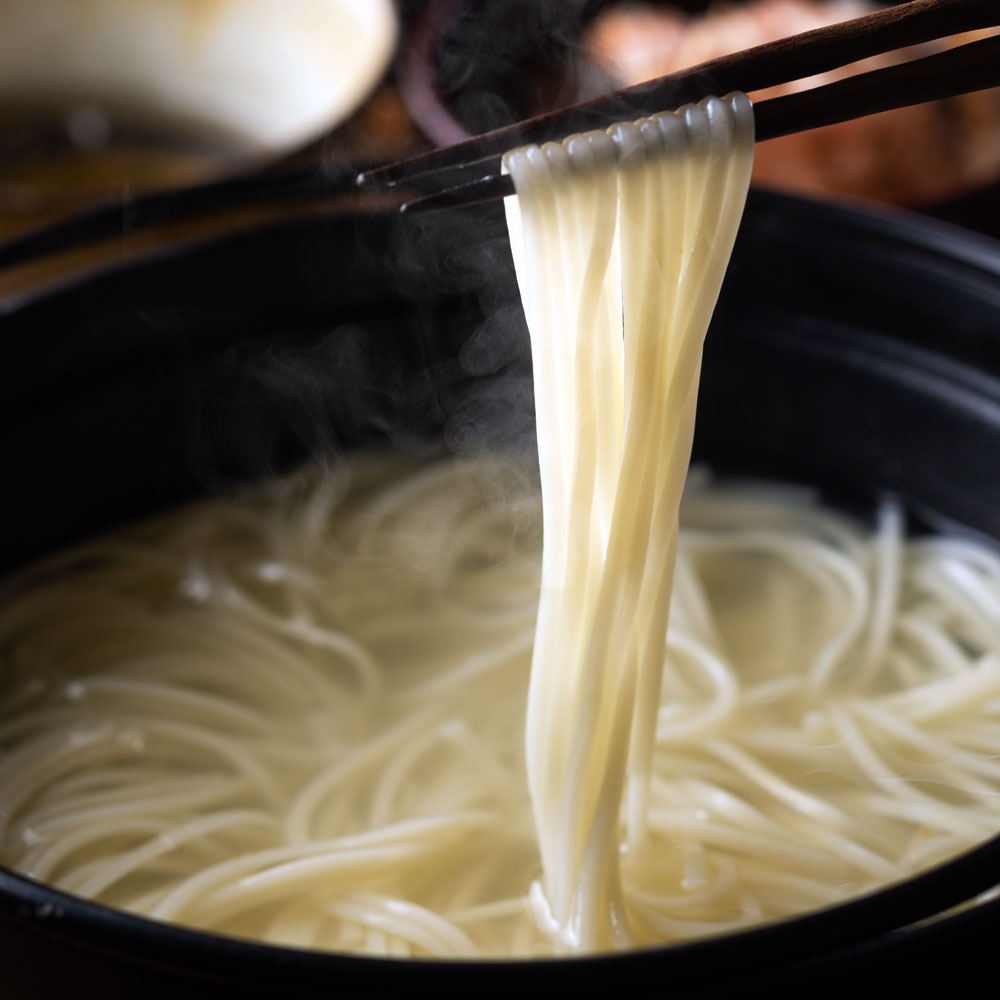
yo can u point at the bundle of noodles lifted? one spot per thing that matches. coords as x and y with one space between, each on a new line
620 241
299 715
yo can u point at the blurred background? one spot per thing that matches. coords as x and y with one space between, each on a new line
131 125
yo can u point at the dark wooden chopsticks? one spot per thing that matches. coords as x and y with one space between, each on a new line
467 173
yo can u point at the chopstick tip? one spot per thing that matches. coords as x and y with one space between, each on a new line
376 176
414 207
491 188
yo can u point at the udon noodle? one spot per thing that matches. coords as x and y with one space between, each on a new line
300 715
620 241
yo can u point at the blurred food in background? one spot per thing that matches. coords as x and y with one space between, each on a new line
913 156
101 99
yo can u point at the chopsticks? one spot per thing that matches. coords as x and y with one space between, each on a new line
966 68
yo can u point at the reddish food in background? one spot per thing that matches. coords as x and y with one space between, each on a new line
911 156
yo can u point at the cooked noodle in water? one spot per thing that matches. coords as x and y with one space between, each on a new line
300 715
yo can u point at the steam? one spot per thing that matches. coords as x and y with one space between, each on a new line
464 259
413 338
423 340
503 60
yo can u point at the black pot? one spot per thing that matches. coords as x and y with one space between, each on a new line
855 351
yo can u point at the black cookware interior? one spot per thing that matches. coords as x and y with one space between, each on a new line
856 351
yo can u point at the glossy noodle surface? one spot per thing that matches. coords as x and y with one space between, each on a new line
620 242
